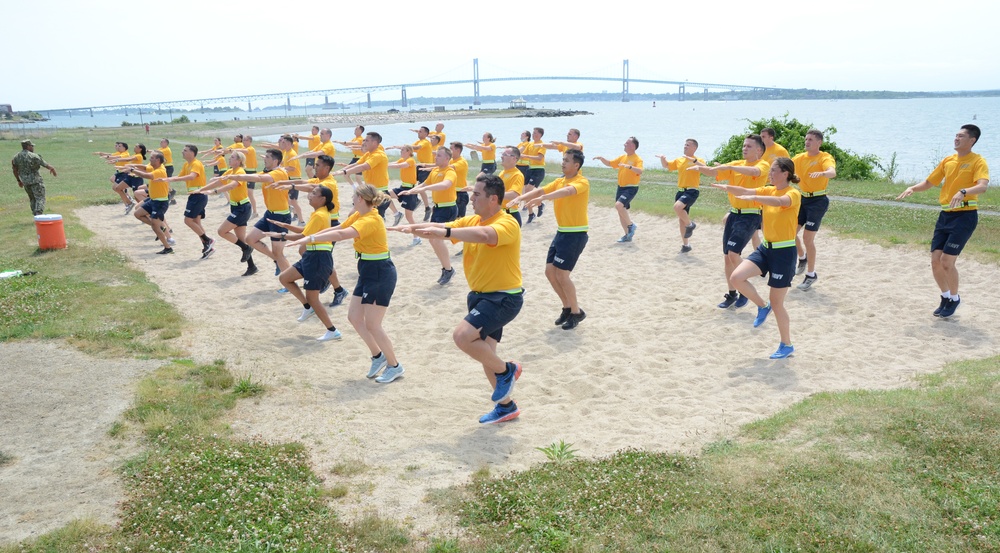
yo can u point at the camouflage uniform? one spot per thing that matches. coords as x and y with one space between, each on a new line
28 164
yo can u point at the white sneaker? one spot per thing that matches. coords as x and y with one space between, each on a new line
378 364
171 241
306 313
390 374
327 336
416 241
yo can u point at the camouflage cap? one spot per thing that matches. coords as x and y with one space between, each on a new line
27 143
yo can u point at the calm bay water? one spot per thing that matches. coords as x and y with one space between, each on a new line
919 131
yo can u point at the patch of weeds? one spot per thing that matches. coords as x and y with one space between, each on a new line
247 387
117 429
348 468
558 452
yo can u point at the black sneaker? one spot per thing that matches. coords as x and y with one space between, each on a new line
165 251
728 300
801 267
207 247
427 214
689 230
541 207
685 248
531 217
247 252
574 319
208 253
944 302
563 317
170 196
251 271
949 308
446 275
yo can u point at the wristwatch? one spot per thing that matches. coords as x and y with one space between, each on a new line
963 192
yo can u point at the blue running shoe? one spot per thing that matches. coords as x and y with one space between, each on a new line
505 382
282 290
944 302
784 350
631 231
501 414
277 270
949 309
378 363
741 300
338 297
762 313
390 374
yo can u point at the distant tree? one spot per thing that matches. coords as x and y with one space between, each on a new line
791 134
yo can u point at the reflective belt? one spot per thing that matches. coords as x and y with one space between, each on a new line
745 211
686 189
510 210
371 256
285 212
572 229
511 291
778 245
319 248
814 194
241 202
407 185
947 207
163 199
446 204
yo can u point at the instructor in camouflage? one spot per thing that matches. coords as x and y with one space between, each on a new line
25 166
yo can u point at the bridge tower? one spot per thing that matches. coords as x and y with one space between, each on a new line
625 81
475 81
369 99
404 104
680 93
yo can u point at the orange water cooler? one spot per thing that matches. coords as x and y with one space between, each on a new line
51 234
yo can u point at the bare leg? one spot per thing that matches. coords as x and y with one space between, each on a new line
441 251
623 217
740 280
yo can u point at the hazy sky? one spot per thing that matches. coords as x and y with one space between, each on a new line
62 54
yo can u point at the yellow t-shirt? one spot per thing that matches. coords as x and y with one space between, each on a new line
378 173
159 188
685 179
512 180
744 181
523 146
196 167
318 221
780 222
221 158
251 155
575 146
571 211
123 158
239 193
535 149
423 150
804 164
492 268
443 197
294 167
372 237
331 183
490 155
168 156
357 140
275 200
314 141
774 152
408 174
461 167
442 136
627 177
326 147
957 173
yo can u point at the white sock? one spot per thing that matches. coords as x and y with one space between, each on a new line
954 297
811 275
803 258
946 294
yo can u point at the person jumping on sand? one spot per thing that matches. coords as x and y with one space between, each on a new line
276 205
193 176
441 183
687 189
629 168
234 228
815 169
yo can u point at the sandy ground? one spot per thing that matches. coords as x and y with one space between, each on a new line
656 364
56 407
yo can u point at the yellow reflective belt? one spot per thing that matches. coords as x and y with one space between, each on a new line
372 256
446 204
947 207
241 202
814 194
778 245
319 248
510 210
163 199
572 229
742 211
285 212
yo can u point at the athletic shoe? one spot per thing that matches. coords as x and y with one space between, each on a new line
378 363
326 286
165 251
208 246
685 248
446 275
563 317
171 242
390 374
807 282
129 208
416 241
505 383
944 302
170 196
531 217
728 300
801 267
306 313
277 270
689 230
208 253
517 370
741 301
574 320
624 238
501 414
783 351
459 253
399 217
328 335
949 309
247 252
762 313
427 214
251 271
282 290
541 207
631 231
338 297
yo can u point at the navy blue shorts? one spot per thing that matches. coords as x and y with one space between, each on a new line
812 210
625 195
251 185
953 230
688 197
566 249
410 201
535 176
778 263
524 171
376 281
491 311
121 177
157 209
133 182
353 160
195 206
316 266
239 215
310 161
517 217
293 194
218 171
488 168
738 231
462 202
444 214
263 225
422 174
170 170
383 207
